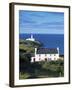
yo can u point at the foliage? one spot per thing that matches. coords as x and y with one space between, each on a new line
44 69
37 69
24 75
26 45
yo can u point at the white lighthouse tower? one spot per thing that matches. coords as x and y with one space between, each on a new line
31 38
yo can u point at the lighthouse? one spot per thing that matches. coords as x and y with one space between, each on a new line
31 38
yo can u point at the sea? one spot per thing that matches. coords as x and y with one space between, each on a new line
48 40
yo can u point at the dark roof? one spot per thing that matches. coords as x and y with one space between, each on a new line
47 51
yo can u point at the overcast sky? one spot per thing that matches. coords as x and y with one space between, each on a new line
41 22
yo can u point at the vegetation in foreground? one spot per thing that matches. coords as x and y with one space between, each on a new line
41 69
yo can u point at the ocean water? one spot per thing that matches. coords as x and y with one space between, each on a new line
48 40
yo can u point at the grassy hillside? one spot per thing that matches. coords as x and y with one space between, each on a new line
37 69
42 69
29 46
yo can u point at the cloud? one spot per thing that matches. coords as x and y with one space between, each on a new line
54 23
33 21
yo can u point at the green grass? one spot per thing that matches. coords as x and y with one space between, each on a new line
43 70
28 46
24 75
28 49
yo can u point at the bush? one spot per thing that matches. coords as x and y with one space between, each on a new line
24 75
44 69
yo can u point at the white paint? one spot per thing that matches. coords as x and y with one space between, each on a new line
31 38
45 57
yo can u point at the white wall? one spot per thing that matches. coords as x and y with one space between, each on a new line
4 44
42 56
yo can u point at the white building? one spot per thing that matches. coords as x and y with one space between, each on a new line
45 54
31 38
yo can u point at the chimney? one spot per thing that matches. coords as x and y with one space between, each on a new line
35 51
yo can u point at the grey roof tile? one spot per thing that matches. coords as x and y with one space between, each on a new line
47 51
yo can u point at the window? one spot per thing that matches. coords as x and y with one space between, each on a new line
54 58
34 59
39 58
39 55
45 59
49 59
45 54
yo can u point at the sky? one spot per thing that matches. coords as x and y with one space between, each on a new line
41 22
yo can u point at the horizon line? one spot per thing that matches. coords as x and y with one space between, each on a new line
42 33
